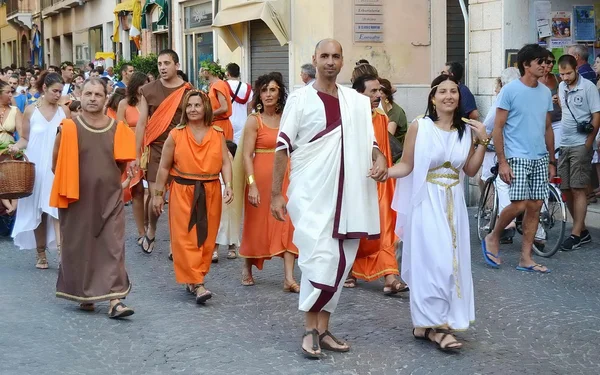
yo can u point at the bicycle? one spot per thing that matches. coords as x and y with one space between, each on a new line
553 216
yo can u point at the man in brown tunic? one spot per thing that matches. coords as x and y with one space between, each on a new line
90 153
160 112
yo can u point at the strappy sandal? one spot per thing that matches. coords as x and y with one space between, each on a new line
452 346
315 345
350 282
292 288
41 262
232 253
87 307
150 242
204 296
191 289
247 280
326 346
115 313
425 335
140 240
396 287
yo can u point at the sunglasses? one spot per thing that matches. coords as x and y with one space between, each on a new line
547 61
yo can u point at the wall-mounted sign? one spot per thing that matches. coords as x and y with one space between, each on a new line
368 21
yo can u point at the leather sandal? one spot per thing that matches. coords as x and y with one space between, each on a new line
115 313
425 335
41 262
449 347
396 287
202 296
326 346
292 288
231 253
315 345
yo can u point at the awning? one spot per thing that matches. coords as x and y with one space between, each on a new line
275 13
163 9
130 6
104 55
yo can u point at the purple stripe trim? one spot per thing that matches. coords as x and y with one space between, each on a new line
356 236
287 140
338 204
328 292
327 130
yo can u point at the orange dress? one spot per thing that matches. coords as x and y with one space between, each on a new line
111 113
265 237
377 258
222 120
196 168
132 114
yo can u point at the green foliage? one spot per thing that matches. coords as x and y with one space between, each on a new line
145 64
214 68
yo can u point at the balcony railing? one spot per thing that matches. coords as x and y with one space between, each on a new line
17 6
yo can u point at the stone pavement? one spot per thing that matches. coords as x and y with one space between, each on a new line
526 323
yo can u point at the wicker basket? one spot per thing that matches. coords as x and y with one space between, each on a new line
16 178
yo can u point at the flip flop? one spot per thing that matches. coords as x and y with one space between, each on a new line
532 269
486 255
148 250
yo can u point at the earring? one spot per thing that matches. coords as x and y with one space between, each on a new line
259 107
277 107
387 101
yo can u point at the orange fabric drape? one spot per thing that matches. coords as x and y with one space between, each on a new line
264 237
65 188
161 118
222 121
377 258
195 161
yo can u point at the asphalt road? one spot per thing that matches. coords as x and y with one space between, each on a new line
525 323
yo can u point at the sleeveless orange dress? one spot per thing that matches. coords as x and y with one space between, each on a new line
194 163
132 115
222 120
263 236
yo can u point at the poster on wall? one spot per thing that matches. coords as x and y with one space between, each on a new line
557 52
510 57
584 23
561 25
560 43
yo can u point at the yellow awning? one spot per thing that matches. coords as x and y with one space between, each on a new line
133 6
275 13
105 55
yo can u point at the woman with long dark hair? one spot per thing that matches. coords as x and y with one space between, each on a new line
433 220
263 236
36 224
128 112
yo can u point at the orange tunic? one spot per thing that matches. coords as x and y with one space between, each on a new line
132 115
199 162
264 236
377 258
222 120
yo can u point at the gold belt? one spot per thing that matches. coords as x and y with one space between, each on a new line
433 177
264 150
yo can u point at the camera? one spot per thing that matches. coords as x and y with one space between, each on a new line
585 127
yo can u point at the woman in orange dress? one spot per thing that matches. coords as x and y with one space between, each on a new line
220 99
129 113
263 236
113 102
194 155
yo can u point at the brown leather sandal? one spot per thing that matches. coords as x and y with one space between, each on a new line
41 261
292 288
326 346
315 345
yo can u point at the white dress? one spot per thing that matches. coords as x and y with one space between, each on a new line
433 222
42 135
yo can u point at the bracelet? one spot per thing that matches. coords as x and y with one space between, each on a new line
158 193
228 184
250 179
484 143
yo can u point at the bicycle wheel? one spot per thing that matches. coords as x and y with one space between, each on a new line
553 220
487 210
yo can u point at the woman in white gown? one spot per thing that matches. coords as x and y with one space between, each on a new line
36 223
432 214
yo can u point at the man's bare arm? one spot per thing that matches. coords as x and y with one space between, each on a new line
279 169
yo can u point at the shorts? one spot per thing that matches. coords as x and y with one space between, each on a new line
489 161
530 180
575 167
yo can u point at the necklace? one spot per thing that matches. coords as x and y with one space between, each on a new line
2 115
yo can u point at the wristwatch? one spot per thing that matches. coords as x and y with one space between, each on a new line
553 162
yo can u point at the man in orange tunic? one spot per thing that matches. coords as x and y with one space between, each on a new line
377 258
220 99
160 112
194 155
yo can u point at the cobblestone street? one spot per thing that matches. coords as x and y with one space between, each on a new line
526 323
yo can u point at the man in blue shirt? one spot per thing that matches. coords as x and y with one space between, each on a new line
126 73
20 100
468 107
581 55
524 143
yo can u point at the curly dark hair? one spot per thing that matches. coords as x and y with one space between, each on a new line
115 98
457 121
262 82
137 80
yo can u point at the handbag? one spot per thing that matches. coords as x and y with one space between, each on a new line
396 148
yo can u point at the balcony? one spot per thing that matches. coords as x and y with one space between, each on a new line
54 7
18 13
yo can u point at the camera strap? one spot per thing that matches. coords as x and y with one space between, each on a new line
567 103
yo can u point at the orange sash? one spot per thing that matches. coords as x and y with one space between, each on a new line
65 188
162 117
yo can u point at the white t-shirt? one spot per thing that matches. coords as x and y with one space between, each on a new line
239 112
21 90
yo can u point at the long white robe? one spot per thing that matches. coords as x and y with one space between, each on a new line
332 203
433 222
